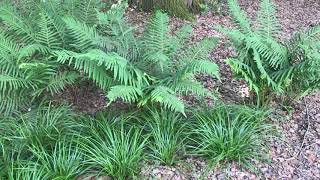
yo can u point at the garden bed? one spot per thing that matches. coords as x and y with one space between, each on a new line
123 140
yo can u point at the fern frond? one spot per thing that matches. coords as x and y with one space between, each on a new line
9 83
8 45
181 37
84 36
189 86
156 43
30 50
273 53
199 51
167 98
240 16
11 101
128 94
86 11
235 35
8 55
16 23
206 67
97 64
245 72
97 73
58 82
264 74
268 25
51 31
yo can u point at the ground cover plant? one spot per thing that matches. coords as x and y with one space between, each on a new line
49 46
231 133
167 135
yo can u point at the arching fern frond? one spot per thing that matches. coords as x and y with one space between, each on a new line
268 25
199 51
264 75
156 42
206 67
128 94
244 71
9 83
189 86
30 50
84 36
7 44
239 16
51 33
167 98
15 22
98 74
59 81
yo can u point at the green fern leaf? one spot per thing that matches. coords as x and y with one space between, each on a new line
268 25
128 94
166 97
240 16
84 36
30 50
16 23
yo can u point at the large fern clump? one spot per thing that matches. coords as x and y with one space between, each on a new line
28 36
151 69
51 45
267 64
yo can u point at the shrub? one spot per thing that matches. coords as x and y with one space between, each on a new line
230 133
113 150
267 64
167 135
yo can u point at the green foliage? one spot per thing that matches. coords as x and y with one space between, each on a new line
230 133
167 135
63 162
66 40
152 69
36 145
112 149
267 64
27 69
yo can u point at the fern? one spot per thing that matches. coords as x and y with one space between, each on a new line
128 94
267 23
16 23
48 35
84 36
68 39
156 43
240 16
167 98
267 64
28 69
